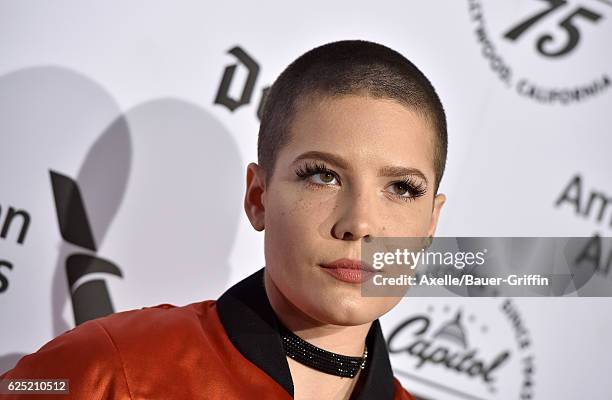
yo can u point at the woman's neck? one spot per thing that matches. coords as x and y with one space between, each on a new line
346 340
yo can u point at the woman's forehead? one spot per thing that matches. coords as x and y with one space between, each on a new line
362 130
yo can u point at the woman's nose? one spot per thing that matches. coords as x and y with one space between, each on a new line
357 218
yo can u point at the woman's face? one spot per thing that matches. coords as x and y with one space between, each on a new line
354 166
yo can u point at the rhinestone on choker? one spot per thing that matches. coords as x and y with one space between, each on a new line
320 359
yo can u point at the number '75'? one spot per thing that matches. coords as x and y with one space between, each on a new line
568 24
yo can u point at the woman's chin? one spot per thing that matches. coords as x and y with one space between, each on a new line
349 311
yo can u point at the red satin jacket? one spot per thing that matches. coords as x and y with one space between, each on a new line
224 349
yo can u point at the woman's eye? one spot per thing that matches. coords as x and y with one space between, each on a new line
402 188
317 174
324 178
407 191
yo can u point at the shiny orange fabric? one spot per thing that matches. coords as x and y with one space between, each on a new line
161 352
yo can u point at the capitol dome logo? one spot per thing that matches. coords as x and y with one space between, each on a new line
455 353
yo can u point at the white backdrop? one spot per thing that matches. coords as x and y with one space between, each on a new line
120 97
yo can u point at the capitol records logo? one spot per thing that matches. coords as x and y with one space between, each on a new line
549 51
453 353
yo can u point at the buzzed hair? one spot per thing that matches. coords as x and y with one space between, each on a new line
348 67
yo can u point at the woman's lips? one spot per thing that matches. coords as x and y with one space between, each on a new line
347 270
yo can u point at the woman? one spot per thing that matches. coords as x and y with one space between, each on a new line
352 145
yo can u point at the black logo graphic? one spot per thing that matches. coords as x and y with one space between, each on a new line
556 32
90 297
454 344
223 96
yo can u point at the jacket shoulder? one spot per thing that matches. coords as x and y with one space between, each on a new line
84 355
160 321
159 330
96 355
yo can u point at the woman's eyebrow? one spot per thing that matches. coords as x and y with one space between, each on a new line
321 155
387 171
394 171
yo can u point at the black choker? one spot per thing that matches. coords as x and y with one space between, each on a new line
319 359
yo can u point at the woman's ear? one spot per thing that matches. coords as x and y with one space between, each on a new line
438 202
253 198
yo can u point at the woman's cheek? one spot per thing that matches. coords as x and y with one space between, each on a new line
289 222
410 222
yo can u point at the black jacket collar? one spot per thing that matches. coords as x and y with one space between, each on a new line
250 323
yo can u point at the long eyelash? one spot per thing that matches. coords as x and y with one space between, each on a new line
309 169
415 188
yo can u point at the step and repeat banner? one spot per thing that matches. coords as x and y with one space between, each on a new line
137 119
